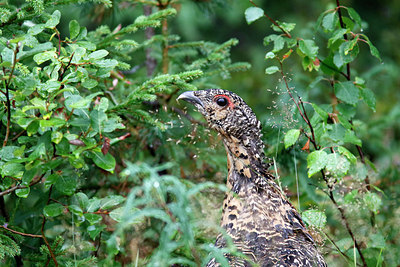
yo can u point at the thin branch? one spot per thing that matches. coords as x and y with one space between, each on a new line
339 10
20 233
336 246
273 21
8 95
42 231
12 189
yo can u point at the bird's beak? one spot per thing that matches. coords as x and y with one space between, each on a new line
191 98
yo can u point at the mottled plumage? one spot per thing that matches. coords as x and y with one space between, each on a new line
262 223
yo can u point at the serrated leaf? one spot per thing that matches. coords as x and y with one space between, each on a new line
350 137
53 210
347 92
271 70
270 55
329 21
106 162
337 165
369 98
347 154
291 137
252 14
322 113
354 15
314 218
316 161
308 48
74 29
373 201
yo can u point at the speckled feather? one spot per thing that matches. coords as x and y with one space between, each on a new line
262 223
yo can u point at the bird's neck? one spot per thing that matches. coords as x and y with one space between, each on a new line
246 160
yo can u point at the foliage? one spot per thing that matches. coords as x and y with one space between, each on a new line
99 166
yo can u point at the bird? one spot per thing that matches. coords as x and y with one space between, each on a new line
256 215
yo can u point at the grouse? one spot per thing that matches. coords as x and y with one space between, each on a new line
262 223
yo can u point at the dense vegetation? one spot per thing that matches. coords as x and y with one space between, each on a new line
101 166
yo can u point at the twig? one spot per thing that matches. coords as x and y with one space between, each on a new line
20 233
12 189
336 246
42 231
273 21
8 95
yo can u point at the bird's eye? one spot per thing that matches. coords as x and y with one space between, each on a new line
221 101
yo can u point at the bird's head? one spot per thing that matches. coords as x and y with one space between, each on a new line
225 112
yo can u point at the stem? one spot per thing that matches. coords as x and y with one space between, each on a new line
8 95
347 225
339 10
273 22
20 233
42 231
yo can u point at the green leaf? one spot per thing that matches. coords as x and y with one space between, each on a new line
354 15
56 137
288 27
373 201
337 35
329 21
322 113
98 54
75 210
45 56
269 55
95 230
369 97
279 43
347 92
97 120
337 165
343 151
111 201
106 162
350 137
308 48
53 210
291 137
93 218
12 169
314 218
74 29
82 199
23 192
52 122
252 14
316 161
271 70
66 184
54 20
